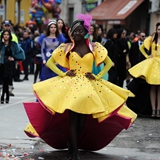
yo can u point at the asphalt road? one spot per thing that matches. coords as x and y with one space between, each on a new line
140 142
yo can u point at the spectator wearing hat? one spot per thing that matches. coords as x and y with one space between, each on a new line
7 26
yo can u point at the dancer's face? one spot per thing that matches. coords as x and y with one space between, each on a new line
158 30
79 33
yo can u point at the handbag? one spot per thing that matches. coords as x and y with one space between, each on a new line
37 60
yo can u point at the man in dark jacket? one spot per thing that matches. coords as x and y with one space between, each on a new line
135 54
27 46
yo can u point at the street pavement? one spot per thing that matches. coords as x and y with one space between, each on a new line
140 142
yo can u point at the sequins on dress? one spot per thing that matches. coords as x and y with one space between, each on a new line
101 100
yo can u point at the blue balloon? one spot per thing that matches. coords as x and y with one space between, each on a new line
39 14
46 1
58 1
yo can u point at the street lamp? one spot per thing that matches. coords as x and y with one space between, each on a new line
19 10
5 8
83 2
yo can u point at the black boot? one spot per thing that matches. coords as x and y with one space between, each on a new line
2 99
76 157
7 97
70 151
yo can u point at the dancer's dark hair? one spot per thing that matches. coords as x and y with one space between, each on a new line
155 39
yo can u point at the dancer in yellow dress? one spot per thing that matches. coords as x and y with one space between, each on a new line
149 69
78 108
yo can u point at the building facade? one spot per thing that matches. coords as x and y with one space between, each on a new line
144 17
70 8
11 8
154 10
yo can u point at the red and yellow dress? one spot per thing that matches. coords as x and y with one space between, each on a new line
102 102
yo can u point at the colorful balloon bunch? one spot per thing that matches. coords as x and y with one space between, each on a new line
41 8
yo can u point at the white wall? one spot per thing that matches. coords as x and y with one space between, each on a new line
155 18
66 4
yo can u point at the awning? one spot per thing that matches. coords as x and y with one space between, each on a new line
114 11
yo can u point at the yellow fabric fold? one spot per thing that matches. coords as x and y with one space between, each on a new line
108 65
147 42
30 129
100 53
59 55
142 49
51 64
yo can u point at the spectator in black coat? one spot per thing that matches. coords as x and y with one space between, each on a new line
135 54
123 51
112 49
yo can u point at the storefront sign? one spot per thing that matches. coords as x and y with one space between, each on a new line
90 4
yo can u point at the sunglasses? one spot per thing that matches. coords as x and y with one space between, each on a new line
143 36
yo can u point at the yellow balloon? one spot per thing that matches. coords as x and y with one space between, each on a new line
30 16
44 9
43 19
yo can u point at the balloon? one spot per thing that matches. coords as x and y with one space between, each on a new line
56 15
30 16
43 19
33 10
34 2
31 23
46 1
58 1
40 9
39 14
51 1
58 10
44 10
40 22
47 5
37 6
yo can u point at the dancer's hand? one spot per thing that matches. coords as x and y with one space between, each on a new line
90 76
71 73
10 58
44 61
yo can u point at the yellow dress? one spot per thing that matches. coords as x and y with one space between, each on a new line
78 93
149 69
98 98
